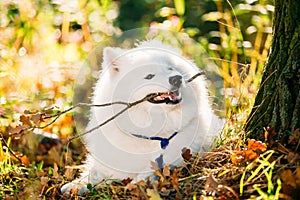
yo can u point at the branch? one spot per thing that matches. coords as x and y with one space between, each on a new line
195 76
128 105
148 97
77 105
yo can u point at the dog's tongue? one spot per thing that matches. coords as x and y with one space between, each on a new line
174 96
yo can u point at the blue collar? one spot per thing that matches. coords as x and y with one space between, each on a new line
163 141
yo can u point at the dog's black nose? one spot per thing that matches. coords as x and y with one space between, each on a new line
175 80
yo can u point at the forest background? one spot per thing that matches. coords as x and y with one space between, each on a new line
43 45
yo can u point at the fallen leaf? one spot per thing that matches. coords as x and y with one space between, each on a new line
44 180
237 157
16 130
206 198
126 181
159 174
133 190
130 187
210 185
166 171
186 154
250 153
69 173
297 176
218 191
292 157
291 182
153 195
257 146
55 171
288 178
164 192
174 179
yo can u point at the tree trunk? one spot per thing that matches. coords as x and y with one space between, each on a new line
277 103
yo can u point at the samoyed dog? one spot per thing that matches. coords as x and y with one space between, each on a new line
156 110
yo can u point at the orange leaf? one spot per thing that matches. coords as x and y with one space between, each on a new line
25 160
298 177
25 120
270 133
250 155
253 150
237 157
256 145
174 180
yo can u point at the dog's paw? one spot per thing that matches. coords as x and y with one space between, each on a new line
80 188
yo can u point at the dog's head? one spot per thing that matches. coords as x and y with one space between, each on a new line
150 68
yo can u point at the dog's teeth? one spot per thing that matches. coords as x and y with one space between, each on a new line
158 98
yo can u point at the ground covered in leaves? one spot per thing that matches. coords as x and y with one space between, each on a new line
265 168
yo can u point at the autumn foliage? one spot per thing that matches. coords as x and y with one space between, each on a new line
42 47
236 169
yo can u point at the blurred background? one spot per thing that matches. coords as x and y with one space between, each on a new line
44 43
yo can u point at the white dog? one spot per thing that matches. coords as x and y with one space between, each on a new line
153 130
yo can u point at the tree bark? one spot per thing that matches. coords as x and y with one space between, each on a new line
277 103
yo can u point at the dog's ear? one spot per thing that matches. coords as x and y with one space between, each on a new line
111 58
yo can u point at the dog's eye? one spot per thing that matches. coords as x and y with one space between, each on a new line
170 68
149 76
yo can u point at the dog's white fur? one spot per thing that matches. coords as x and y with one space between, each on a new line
114 152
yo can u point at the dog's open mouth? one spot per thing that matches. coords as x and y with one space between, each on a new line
165 97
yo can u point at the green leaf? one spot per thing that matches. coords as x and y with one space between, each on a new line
89 187
40 165
179 6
